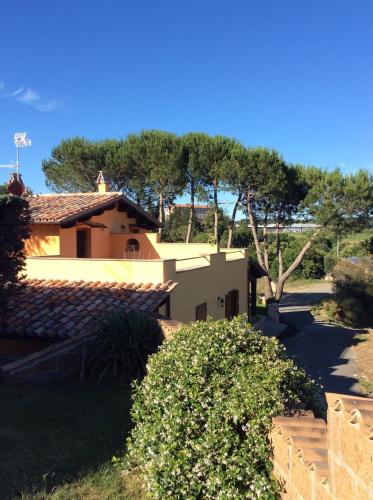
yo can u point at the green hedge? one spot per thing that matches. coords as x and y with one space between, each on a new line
203 412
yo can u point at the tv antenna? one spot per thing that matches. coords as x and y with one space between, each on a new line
20 141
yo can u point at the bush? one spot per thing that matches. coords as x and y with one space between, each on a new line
121 351
353 286
203 412
330 261
15 218
351 311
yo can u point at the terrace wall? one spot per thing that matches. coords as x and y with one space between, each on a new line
62 360
334 460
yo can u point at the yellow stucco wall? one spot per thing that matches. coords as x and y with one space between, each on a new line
206 284
199 280
44 240
119 244
183 250
130 271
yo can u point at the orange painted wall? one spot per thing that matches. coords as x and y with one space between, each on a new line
44 240
119 244
68 242
51 240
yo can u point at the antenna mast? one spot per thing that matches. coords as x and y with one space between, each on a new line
20 141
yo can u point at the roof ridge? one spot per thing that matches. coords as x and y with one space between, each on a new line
77 194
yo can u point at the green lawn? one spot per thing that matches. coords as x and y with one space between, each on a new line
57 441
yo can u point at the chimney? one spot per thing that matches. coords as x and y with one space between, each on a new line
15 184
102 183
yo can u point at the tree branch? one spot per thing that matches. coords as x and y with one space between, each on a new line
295 264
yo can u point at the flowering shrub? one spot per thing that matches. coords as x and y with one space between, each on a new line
203 412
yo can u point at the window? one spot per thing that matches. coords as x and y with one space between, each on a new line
132 245
201 312
232 304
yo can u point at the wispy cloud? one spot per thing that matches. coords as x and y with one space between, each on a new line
28 96
16 92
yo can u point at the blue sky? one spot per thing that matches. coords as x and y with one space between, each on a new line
294 75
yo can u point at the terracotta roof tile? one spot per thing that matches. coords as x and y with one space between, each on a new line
69 207
60 309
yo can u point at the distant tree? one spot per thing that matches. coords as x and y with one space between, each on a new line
166 167
215 154
208 225
243 237
238 162
3 189
194 145
14 221
277 193
176 225
74 165
132 156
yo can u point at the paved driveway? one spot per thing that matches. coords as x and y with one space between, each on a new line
324 350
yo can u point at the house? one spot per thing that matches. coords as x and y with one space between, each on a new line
89 253
104 237
200 211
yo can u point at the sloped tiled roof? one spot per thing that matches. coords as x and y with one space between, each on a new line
68 207
59 309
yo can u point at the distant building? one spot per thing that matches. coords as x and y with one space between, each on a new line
298 227
200 211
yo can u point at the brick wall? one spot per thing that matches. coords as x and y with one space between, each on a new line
317 460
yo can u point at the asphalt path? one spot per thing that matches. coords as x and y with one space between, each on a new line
324 350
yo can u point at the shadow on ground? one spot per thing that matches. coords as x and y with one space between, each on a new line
53 434
324 350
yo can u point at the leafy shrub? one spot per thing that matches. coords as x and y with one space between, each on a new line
357 248
15 218
331 308
353 286
351 311
330 261
122 349
203 412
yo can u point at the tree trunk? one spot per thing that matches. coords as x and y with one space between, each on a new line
265 243
268 289
294 265
216 218
279 253
161 214
232 221
191 215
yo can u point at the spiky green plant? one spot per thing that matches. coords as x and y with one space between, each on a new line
123 347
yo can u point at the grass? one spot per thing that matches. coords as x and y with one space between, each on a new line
293 284
57 442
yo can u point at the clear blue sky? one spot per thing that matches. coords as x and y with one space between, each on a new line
295 75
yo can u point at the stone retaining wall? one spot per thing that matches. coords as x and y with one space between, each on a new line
317 460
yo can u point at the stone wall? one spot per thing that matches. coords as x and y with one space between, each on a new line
334 460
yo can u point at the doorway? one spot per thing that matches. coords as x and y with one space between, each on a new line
232 304
83 243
